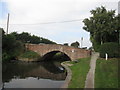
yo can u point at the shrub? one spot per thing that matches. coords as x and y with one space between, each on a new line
11 48
5 57
111 48
96 47
29 54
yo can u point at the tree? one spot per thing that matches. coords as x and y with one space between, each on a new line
25 37
13 44
75 44
103 26
11 47
66 44
34 39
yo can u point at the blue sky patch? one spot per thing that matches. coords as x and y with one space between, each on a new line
3 9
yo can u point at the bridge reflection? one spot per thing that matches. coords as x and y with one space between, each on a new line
45 70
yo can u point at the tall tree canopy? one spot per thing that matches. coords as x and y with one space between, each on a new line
102 25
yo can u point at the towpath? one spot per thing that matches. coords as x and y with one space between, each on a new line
89 83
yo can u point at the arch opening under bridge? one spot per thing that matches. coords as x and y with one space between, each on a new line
56 55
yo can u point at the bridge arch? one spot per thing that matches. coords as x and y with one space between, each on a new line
51 54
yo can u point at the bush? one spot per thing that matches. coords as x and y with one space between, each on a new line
5 57
11 48
96 47
29 54
111 49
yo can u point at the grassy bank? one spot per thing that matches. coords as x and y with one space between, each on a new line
106 74
29 54
79 73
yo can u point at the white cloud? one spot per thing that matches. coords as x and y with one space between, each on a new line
31 11
37 11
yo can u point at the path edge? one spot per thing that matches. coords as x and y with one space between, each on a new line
69 75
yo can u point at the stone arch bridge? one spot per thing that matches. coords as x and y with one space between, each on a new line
72 52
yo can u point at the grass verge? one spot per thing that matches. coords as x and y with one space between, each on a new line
79 73
106 73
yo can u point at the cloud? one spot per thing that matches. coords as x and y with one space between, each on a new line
24 14
35 11
32 11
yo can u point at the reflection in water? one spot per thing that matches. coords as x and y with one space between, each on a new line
33 75
33 83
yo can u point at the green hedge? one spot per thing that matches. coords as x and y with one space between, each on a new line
111 48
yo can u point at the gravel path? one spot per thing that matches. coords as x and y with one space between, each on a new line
89 83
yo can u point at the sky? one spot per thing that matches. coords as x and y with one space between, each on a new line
48 18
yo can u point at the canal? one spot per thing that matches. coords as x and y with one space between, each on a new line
45 74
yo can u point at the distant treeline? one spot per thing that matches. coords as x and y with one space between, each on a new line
13 44
25 37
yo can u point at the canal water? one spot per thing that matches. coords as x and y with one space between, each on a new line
19 74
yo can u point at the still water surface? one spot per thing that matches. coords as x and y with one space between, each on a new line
33 75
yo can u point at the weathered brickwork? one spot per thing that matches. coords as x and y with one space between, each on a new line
73 53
